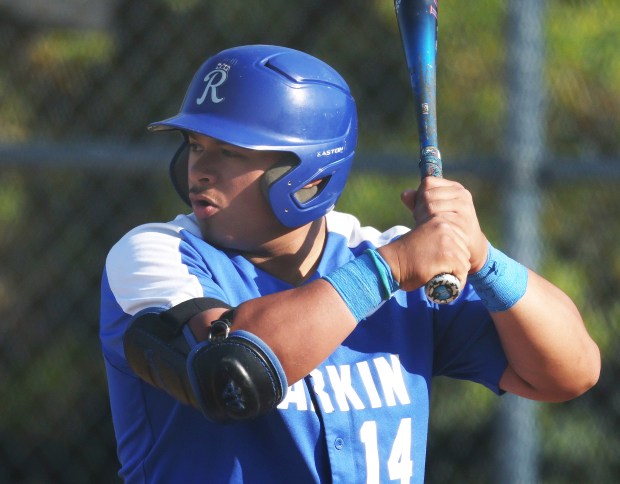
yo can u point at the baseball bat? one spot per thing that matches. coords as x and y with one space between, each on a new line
417 23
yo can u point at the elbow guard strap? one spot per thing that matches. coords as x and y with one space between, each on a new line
236 377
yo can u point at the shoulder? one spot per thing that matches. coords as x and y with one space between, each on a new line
149 266
153 238
349 227
182 223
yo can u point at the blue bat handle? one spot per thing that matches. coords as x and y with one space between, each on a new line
417 21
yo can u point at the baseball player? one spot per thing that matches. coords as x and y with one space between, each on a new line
267 338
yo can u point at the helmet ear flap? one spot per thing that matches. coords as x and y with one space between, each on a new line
277 171
178 171
281 168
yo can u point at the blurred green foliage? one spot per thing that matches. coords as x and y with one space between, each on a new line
65 84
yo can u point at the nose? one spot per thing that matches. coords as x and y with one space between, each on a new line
201 168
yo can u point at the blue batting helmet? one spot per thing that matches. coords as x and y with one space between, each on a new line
274 98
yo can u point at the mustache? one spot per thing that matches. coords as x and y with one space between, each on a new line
200 194
197 190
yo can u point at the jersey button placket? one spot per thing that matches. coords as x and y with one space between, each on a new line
339 443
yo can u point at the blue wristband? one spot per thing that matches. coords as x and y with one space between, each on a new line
363 283
501 282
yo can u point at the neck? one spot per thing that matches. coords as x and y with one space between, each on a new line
294 256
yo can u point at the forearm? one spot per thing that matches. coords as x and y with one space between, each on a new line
550 354
302 326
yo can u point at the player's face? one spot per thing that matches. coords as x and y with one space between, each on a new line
226 196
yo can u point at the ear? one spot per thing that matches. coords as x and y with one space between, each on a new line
314 183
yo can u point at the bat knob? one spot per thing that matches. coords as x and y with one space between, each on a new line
443 288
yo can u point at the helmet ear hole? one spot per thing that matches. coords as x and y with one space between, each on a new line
306 194
281 168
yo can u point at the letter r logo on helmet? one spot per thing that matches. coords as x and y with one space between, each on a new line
214 79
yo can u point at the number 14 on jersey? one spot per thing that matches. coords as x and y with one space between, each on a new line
399 464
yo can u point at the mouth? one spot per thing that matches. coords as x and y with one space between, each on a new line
203 205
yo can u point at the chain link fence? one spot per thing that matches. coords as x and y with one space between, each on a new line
79 81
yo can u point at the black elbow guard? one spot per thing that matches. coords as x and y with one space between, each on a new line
156 351
236 377
157 343
230 377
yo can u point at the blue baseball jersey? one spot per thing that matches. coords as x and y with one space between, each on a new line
360 417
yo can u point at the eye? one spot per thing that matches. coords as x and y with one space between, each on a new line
230 153
195 147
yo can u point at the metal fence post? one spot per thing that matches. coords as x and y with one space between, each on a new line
517 449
